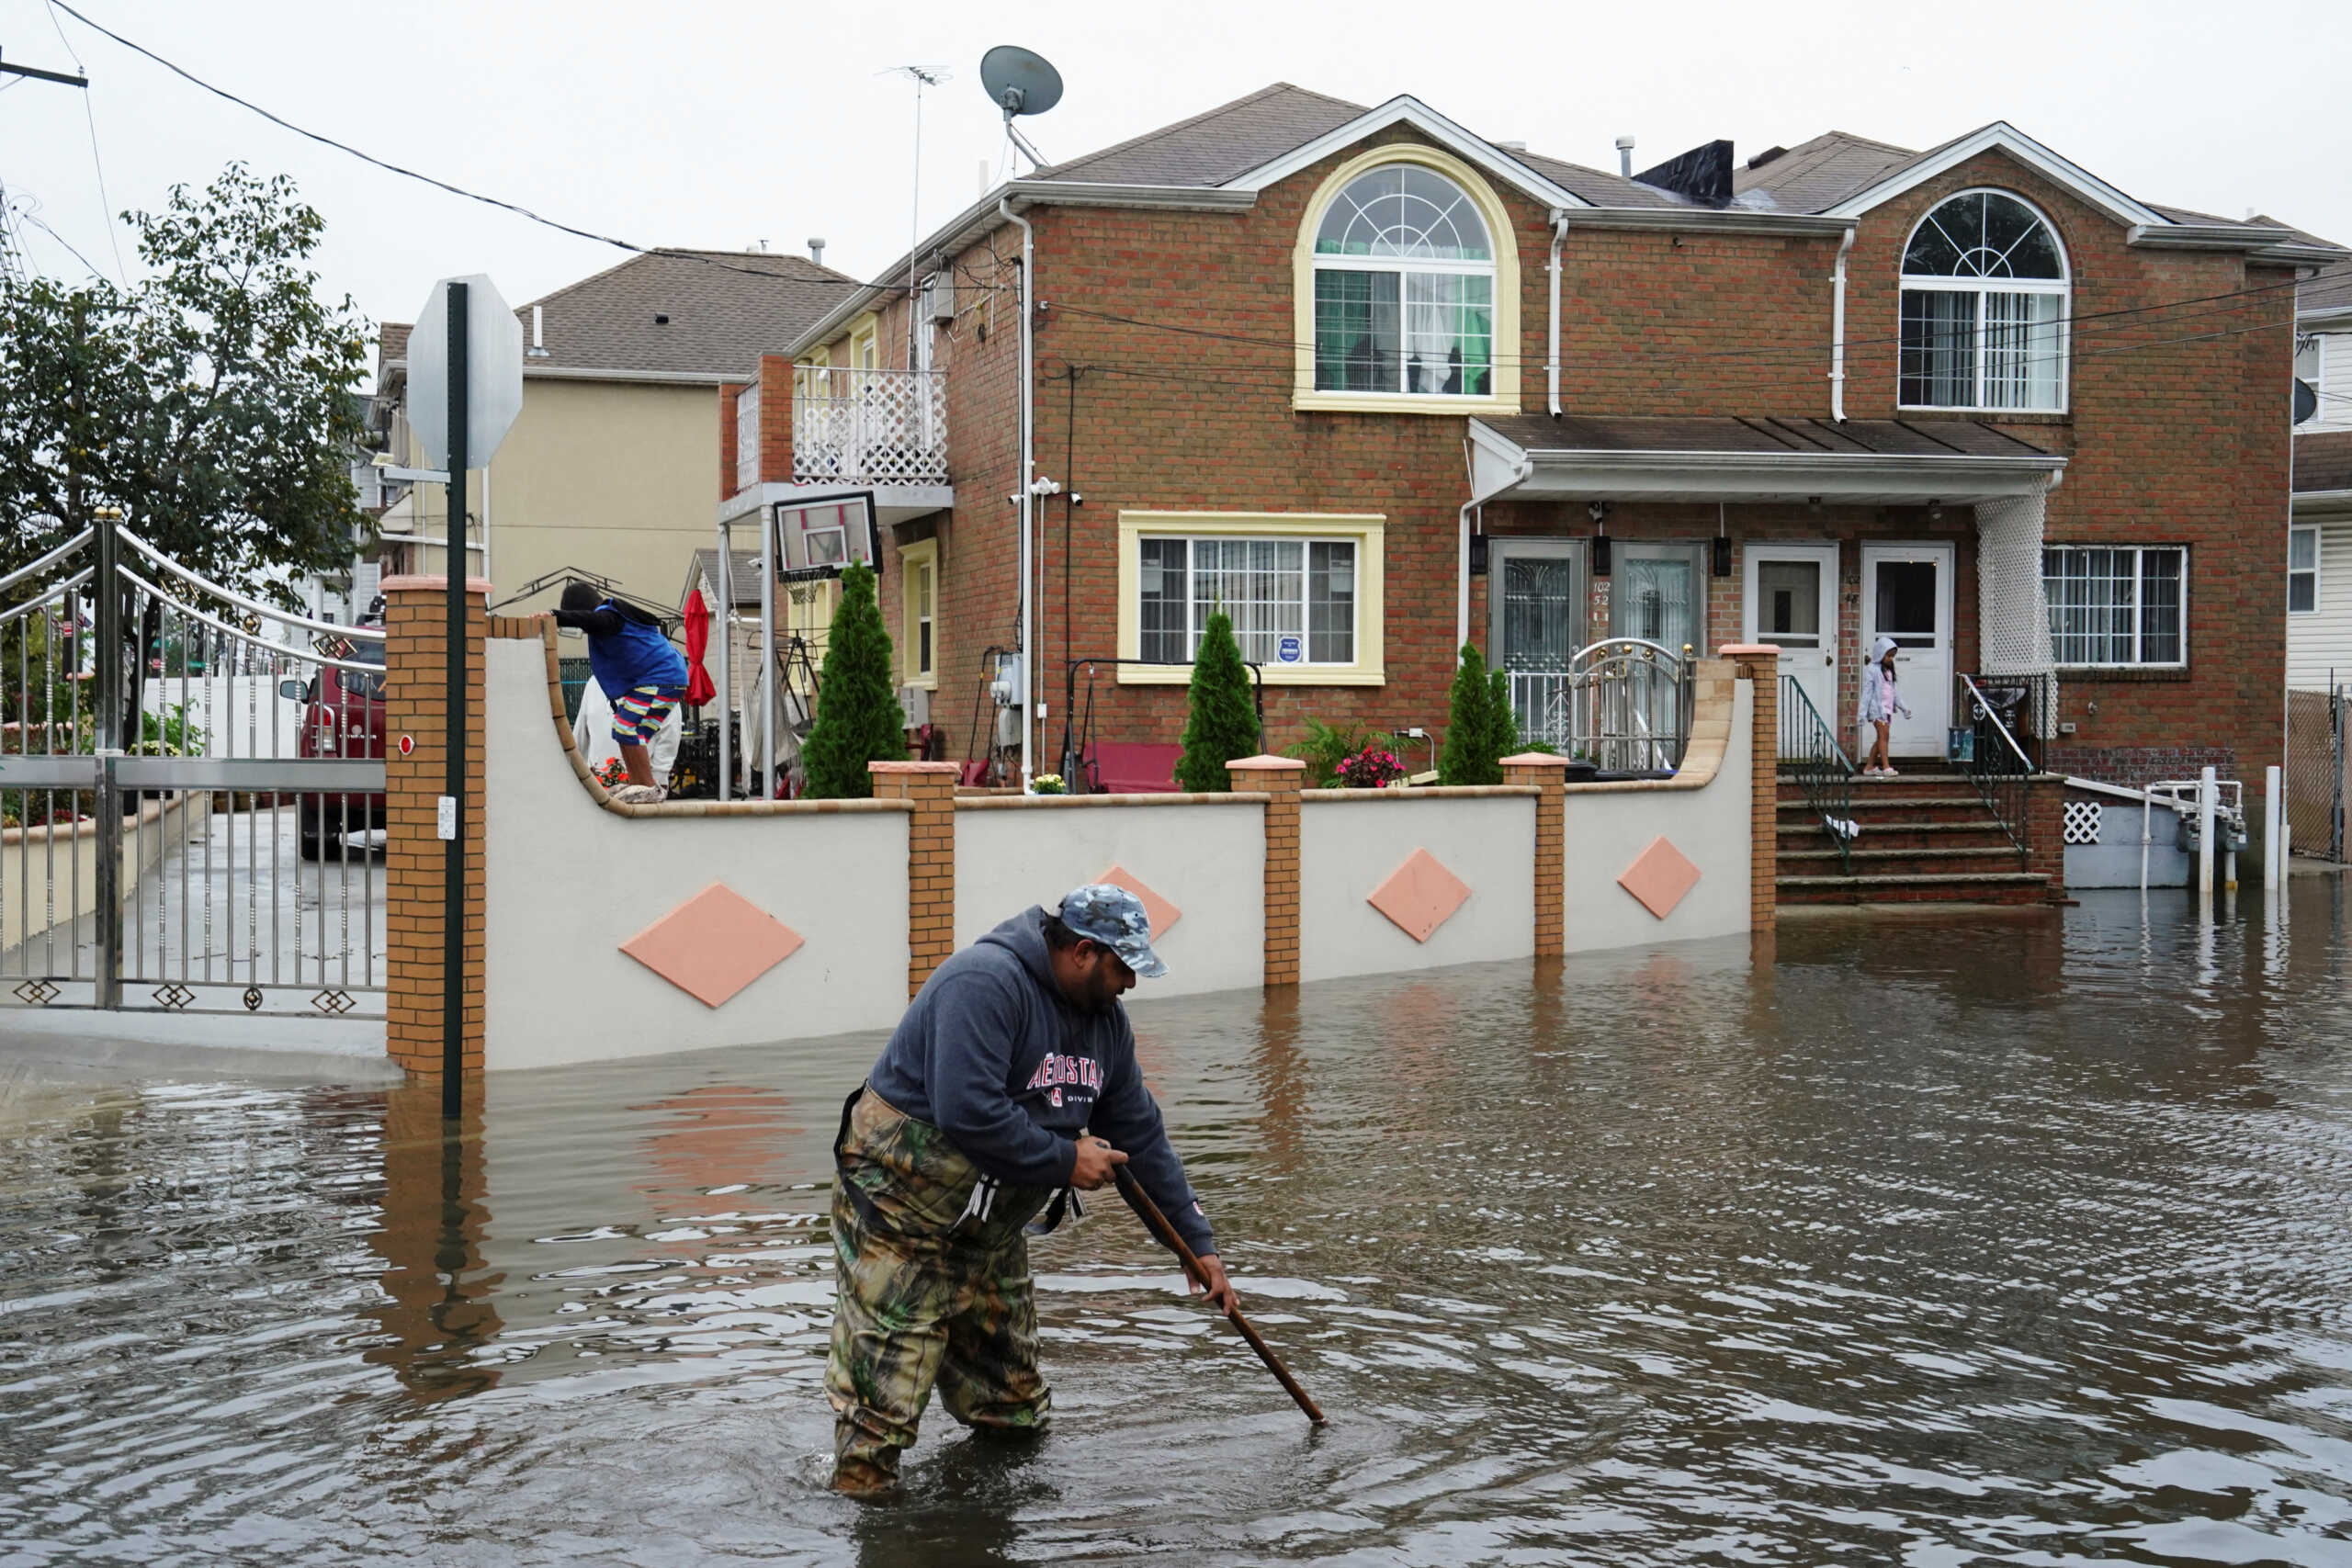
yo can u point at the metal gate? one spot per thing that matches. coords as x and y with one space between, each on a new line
2317 739
192 785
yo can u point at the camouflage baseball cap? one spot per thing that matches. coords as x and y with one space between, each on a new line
1103 912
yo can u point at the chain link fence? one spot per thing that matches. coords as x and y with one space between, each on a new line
2316 740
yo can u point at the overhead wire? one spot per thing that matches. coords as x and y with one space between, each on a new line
97 162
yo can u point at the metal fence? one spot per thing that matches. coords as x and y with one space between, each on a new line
2001 753
1622 704
1810 756
193 789
2317 724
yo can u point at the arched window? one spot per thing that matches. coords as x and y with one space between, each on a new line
1984 307
1404 287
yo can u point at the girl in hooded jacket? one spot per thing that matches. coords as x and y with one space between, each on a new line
1882 700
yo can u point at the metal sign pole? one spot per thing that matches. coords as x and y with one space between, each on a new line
725 620
453 874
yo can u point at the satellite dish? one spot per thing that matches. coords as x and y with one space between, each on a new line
2306 402
1019 80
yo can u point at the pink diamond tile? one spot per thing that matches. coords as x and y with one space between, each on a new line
1659 876
1162 914
714 945
1419 896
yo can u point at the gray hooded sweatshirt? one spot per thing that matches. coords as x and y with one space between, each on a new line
990 1055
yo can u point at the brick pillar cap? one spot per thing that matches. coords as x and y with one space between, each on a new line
1747 650
912 767
1535 760
416 584
1266 764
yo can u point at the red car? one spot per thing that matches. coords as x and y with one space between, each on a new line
343 716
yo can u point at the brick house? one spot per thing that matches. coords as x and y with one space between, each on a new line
1381 386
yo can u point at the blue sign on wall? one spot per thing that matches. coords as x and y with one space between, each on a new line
1290 650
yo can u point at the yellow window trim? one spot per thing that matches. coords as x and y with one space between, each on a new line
924 553
1304 394
862 335
1369 532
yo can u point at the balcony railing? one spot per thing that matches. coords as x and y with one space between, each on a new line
870 427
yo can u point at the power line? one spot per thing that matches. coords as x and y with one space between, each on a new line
389 167
89 116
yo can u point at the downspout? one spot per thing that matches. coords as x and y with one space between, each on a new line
1551 361
1028 478
1838 333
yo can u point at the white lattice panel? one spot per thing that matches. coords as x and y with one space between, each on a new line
2082 821
871 427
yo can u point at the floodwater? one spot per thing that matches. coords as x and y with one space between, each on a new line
2024 1240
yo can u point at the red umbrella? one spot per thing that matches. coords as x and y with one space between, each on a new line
699 689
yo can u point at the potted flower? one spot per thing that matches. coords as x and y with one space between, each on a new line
1374 767
1048 784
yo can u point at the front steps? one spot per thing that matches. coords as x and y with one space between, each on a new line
1926 837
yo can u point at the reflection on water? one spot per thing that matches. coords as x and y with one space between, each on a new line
2023 1240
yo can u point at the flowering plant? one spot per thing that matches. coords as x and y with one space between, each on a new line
1374 767
1048 784
612 774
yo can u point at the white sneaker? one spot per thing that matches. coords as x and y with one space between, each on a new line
1886 773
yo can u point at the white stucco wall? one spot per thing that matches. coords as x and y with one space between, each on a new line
1207 859
1609 825
569 882
1349 847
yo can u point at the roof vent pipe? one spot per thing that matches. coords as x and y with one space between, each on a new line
1625 156
538 332
817 250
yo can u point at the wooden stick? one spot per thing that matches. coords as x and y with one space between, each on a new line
1158 1224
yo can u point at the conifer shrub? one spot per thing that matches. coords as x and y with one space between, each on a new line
1469 756
858 717
1223 722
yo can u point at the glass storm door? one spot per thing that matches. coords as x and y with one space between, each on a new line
1658 592
1792 600
1534 586
1906 594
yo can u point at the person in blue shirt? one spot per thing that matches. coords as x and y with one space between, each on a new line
643 676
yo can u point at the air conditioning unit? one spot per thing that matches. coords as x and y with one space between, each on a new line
915 702
939 299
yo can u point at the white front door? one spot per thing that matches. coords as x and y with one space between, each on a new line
1906 594
1791 598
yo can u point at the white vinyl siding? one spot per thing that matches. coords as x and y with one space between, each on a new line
2330 354
2321 643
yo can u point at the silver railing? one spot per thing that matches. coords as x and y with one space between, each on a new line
221 855
1622 704
869 426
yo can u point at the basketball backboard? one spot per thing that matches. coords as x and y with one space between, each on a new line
821 535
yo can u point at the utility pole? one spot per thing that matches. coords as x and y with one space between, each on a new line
67 79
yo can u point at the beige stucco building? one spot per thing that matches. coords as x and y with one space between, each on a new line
611 465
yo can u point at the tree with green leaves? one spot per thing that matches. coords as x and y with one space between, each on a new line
1222 723
1501 717
858 717
215 403
1470 755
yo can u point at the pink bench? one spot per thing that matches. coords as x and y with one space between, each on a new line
1133 768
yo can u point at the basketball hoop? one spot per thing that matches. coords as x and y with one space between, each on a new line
820 536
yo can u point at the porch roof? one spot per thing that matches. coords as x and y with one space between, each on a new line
1856 462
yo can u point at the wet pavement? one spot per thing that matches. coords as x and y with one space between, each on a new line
2021 1238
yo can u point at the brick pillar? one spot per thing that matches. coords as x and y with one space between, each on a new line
1279 779
775 419
1550 775
931 859
1760 663
416 691
2045 830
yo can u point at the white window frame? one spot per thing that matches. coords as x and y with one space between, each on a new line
917 561
2311 572
747 437
2063 287
2317 342
1366 532
2139 603
1505 367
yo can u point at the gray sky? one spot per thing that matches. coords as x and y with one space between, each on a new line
729 123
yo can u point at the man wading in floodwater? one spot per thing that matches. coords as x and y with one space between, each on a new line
976 1116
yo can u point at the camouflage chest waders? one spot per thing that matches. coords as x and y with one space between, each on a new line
930 1269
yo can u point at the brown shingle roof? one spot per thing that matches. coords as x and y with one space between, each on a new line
1212 148
391 342
1817 175
725 309
2324 461
1924 438
2330 289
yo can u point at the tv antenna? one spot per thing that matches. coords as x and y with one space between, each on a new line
1019 80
